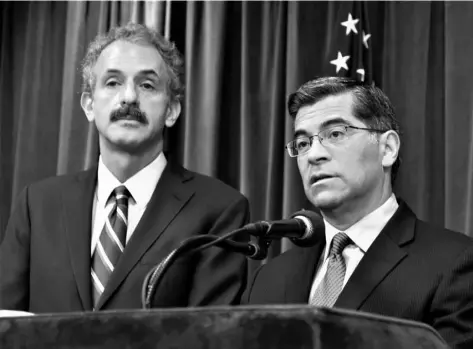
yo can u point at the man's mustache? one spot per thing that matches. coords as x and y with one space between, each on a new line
129 112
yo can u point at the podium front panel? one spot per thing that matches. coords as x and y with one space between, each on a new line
244 327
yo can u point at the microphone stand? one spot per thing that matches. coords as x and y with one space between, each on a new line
195 244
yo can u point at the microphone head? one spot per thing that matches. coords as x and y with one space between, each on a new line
315 228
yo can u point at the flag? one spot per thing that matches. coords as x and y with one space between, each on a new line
349 52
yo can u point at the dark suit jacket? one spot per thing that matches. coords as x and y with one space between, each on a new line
45 256
412 270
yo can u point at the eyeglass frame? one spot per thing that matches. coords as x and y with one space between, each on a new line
310 138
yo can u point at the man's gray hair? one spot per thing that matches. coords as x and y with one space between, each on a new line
137 34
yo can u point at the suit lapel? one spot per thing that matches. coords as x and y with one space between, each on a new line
77 217
301 273
380 260
168 199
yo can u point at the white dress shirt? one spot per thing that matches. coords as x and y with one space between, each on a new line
362 233
141 187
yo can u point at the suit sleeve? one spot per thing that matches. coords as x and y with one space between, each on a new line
220 276
246 298
452 305
15 258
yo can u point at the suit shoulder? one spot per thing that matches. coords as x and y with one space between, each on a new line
214 187
55 184
442 239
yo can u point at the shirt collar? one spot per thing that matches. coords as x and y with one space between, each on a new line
366 230
141 185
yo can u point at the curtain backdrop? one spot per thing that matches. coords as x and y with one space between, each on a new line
242 61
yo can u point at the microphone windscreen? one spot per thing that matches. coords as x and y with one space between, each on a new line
315 228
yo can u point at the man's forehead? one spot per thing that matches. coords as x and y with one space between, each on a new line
129 58
329 108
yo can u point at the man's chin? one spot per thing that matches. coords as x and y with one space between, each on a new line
325 201
129 144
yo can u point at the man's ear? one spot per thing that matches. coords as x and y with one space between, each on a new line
391 143
87 104
173 112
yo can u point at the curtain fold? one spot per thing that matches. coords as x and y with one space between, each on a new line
458 115
242 60
30 83
406 82
76 135
7 123
205 39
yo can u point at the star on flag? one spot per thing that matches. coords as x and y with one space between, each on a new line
340 62
362 73
350 24
365 39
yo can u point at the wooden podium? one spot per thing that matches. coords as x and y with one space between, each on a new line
244 327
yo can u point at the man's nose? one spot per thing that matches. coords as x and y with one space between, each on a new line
317 152
129 94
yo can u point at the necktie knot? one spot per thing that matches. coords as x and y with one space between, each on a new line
339 242
121 195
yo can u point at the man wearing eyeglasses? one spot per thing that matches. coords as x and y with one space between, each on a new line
376 256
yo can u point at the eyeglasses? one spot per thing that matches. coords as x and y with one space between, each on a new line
301 145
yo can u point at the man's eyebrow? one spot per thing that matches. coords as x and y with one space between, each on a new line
324 125
299 133
148 72
335 121
113 71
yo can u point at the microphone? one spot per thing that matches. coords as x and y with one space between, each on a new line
304 228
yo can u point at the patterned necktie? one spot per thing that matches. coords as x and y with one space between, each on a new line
111 242
331 286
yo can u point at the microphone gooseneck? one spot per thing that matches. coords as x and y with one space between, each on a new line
304 229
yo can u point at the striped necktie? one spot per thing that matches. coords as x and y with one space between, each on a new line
111 242
331 286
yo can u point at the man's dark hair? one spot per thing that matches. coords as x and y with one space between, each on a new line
142 35
371 105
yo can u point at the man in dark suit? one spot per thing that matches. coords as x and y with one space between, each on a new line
376 256
86 241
